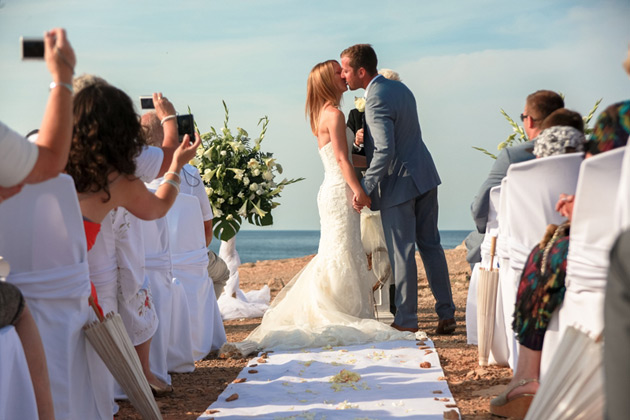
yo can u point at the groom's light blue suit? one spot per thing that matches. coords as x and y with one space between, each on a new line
402 181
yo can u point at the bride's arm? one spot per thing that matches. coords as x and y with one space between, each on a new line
337 131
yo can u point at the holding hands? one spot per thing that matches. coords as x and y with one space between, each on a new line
361 200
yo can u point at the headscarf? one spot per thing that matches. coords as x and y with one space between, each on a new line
611 129
555 141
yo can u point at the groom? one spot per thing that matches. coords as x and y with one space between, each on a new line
401 181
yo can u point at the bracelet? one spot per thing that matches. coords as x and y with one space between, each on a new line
171 182
168 117
66 85
174 173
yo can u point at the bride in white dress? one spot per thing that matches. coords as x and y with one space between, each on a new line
329 301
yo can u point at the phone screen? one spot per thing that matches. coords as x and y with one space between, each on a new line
32 48
146 102
186 125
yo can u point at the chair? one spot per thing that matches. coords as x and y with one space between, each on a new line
622 215
593 232
42 235
17 398
189 256
534 189
171 346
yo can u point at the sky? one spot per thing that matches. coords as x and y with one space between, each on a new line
463 60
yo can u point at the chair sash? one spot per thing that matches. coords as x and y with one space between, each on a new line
54 283
197 258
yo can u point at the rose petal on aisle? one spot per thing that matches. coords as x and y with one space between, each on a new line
370 381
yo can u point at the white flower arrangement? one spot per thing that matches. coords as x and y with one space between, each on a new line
359 103
239 178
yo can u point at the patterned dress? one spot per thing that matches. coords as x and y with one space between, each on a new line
541 289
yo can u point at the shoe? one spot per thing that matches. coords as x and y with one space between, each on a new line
160 392
445 326
515 407
399 328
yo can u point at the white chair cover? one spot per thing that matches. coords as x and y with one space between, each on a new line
534 189
42 236
17 398
623 195
593 232
189 256
104 276
171 347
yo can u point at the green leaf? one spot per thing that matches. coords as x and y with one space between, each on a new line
484 151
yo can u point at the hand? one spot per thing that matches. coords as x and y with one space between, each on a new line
358 138
6 193
361 200
564 206
186 151
59 56
163 107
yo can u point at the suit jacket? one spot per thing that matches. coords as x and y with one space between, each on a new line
481 203
400 166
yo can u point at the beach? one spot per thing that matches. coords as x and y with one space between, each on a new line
471 385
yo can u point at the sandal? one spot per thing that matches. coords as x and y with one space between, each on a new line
515 407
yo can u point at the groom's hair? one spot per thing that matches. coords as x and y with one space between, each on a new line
361 55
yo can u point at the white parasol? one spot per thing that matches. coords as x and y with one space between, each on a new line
109 338
373 239
486 306
573 387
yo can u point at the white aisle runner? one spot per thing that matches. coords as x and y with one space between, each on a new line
384 380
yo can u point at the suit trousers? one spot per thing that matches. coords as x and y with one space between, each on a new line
617 331
406 225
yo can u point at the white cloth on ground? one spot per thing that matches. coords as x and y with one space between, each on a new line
391 384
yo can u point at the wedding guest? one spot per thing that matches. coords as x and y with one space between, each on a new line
107 139
538 106
193 185
611 129
617 331
541 288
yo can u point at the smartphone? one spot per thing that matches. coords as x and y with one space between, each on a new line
186 125
146 102
32 48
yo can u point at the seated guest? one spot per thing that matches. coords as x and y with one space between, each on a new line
540 292
612 128
541 288
537 107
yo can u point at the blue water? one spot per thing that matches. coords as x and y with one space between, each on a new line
259 245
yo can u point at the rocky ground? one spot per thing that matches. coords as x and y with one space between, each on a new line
471 385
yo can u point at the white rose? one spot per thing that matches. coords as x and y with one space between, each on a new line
245 181
252 196
256 172
259 192
209 191
268 175
253 187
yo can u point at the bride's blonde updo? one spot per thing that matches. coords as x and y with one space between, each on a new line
320 89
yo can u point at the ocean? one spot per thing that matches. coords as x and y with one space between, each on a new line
259 245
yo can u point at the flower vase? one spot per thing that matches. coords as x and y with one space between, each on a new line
229 254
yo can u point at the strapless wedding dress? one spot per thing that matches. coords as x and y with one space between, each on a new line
329 301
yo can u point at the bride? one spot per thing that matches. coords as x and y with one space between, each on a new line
329 301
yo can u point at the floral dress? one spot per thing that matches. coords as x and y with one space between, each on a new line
541 289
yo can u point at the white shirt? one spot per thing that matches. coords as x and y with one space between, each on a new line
148 163
17 157
367 88
192 184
